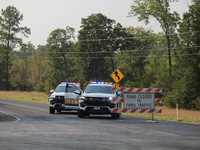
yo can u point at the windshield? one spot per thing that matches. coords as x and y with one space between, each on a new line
98 89
60 89
70 88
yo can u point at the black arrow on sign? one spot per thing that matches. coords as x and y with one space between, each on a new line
116 73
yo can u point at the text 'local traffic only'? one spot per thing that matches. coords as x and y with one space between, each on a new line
139 101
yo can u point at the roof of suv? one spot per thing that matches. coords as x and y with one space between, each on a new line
64 84
100 85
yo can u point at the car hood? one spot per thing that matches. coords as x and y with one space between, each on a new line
58 94
98 95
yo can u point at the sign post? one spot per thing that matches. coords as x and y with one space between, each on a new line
177 110
116 84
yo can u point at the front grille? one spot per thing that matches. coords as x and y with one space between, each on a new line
101 111
98 101
58 99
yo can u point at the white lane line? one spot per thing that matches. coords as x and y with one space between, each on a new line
17 118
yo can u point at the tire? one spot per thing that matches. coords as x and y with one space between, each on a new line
51 110
81 113
115 115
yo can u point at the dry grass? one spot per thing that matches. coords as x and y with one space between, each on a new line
167 114
35 97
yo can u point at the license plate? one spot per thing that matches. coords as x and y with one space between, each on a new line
69 101
97 108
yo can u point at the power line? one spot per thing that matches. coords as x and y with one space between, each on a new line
123 38
194 54
135 50
187 2
119 50
92 29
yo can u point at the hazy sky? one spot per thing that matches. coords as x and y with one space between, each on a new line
44 16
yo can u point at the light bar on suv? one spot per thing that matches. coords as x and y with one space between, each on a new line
95 82
73 83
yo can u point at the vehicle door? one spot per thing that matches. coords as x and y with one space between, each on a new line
70 96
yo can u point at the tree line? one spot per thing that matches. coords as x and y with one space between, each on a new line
169 59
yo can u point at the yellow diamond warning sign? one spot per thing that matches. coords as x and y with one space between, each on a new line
117 75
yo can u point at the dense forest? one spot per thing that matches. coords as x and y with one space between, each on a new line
169 59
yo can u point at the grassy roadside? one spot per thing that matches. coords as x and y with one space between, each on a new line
168 114
34 97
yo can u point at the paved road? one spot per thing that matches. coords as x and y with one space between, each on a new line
30 126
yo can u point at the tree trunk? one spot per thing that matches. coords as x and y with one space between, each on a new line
7 65
169 53
7 78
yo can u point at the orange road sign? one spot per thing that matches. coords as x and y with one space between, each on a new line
117 75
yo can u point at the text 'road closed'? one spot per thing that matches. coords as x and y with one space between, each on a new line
143 101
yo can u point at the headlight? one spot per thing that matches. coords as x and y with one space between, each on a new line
52 96
83 98
110 98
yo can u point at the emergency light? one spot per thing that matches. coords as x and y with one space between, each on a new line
95 82
73 83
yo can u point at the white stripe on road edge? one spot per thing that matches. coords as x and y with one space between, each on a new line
17 118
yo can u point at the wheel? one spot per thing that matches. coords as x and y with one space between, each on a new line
115 115
51 110
81 113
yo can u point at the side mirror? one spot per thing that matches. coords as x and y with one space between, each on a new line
51 91
119 93
77 92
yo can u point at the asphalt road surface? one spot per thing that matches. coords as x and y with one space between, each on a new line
29 126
